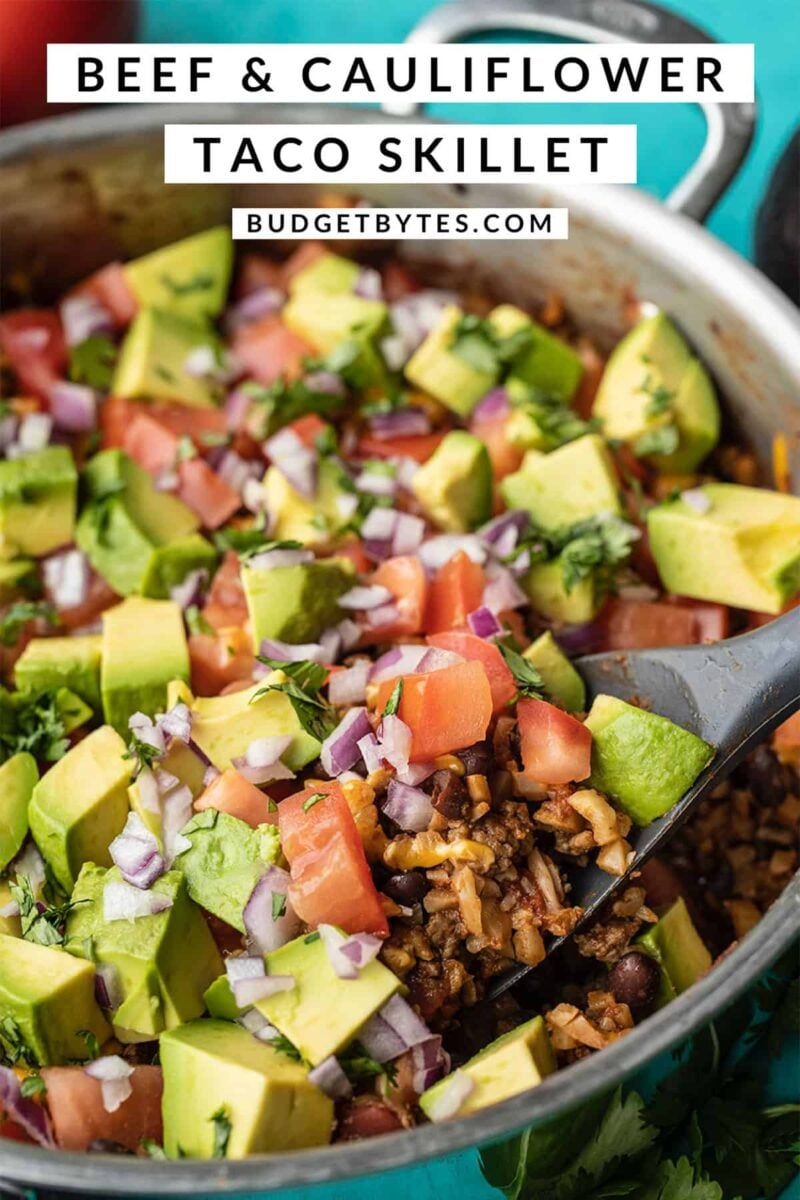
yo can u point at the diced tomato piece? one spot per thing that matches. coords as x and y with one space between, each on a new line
712 621
98 598
556 748
305 254
398 282
419 446
404 576
501 680
455 591
185 421
308 428
269 351
640 624
75 1101
149 443
210 497
786 739
231 793
331 880
354 550
33 342
110 288
505 458
217 661
756 619
116 415
510 619
628 465
593 367
445 710
256 271
14 1133
226 604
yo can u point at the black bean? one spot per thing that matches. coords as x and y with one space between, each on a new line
107 1146
477 759
449 794
635 979
765 776
407 887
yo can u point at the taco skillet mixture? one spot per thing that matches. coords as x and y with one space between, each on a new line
294 760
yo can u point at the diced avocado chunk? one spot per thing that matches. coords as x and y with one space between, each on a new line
135 680
651 381
9 925
562 682
163 962
18 777
72 662
437 369
81 804
311 521
455 485
322 1013
226 860
72 709
126 520
645 762
49 997
189 277
298 602
170 564
37 502
546 362
218 1067
152 360
568 485
187 767
329 273
14 576
224 726
511 1064
323 320
678 949
744 550
544 583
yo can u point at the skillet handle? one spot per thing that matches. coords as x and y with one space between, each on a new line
729 127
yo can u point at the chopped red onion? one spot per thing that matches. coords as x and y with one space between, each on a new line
393 1030
697 499
379 524
340 750
580 639
435 659
236 471
495 530
408 534
34 432
166 480
521 564
294 460
406 469
200 361
416 773
380 1040
346 506
73 407
428 1064
108 986
330 641
22 1110
190 591
142 727
503 592
368 284
365 597
149 792
348 955
256 304
331 1079
350 686
30 865
177 723
440 549
247 992
350 633
415 315
245 966
123 902
261 763
176 810
395 739
8 431
211 773
395 351
67 577
266 932
371 753
494 404
402 1018
257 1024
288 652
10 910
638 591
450 1100
397 662
180 845
409 807
385 614
114 1077
376 483
483 623
325 382
400 422
83 317
237 406
136 852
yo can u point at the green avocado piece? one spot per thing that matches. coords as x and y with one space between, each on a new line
322 1013
651 380
511 1064
546 362
18 777
224 726
446 376
15 576
189 277
296 602
81 804
8 925
678 949
324 320
170 564
568 485
215 1067
38 494
744 550
127 519
226 860
329 273
544 583
72 662
454 486
561 680
49 997
152 360
72 709
310 521
164 962
643 761
137 682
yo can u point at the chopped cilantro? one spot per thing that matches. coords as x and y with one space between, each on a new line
311 937
18 615
101 507
476 343
143 754
222 1132
32 721
197 623
596 544
271 805
528 680
185 449
393 703
312 800
13 1048
663 439
33 1085
357 1064
282 1044
201 282
283 402
92 1044
153 1150
278 905
213 440
660 397
303 688
556 421
92 362
43 924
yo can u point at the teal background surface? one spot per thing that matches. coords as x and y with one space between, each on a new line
669 139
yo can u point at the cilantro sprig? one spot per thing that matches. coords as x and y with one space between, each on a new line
476 342
40 923
142 754
19 614
222 1132
32 722
302 688
530 684
393 703
92 362
357 1064
284 402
